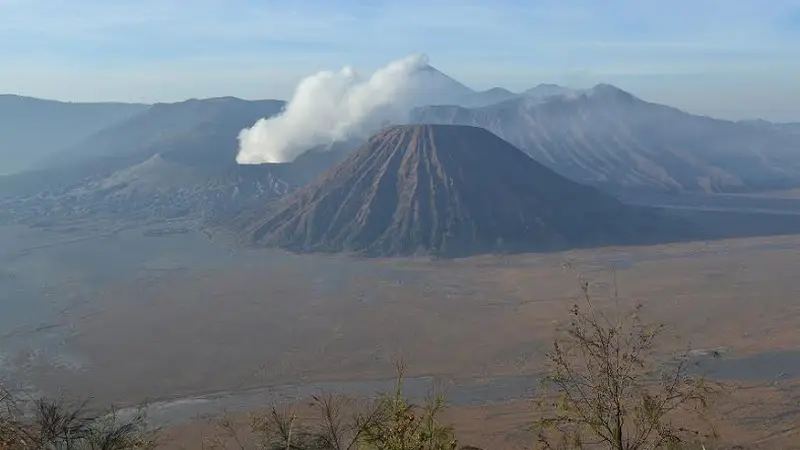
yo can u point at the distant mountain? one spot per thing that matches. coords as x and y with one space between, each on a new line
166 187
33 129
607 137
487 97
789 127
172 160
441 89
446 191
497 95
438 88
203 131
547 90
793 127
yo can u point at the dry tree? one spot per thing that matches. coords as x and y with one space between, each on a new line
607 388
45 424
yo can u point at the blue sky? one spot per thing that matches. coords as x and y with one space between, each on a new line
727 58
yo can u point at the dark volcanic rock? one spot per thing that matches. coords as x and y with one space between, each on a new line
445 190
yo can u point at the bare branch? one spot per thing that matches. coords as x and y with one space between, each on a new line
606 385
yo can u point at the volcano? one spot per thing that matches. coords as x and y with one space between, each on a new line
609 138
444 190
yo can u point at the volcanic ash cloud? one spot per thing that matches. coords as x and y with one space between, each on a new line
332 106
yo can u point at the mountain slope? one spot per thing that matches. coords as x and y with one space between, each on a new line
196 131
172 161
497 95
448 191
32 129
166 187
487 97
545 90
207 129
607 137
788 127
438 88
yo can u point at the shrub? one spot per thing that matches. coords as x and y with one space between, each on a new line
392 422
45 424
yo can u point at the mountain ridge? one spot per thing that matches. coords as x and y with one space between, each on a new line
608 137
442 190
174 160
33 129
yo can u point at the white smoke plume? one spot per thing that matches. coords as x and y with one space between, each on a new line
332 106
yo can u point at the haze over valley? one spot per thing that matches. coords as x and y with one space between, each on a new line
441 204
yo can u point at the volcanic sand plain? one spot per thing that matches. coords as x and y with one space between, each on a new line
181 321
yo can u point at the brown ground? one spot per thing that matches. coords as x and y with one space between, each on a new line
759 417
491 316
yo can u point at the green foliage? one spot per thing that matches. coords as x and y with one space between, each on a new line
400 425
391 422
